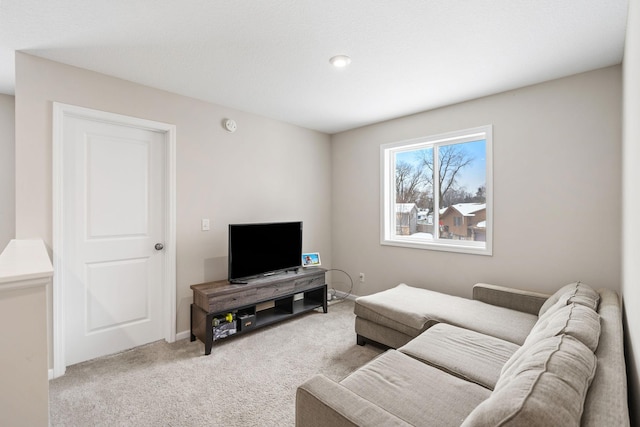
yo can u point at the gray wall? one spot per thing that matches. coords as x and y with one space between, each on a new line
631 205
7 170
557 195
261 172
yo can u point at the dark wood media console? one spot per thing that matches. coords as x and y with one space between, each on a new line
258 303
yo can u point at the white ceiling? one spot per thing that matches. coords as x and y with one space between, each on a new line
271 57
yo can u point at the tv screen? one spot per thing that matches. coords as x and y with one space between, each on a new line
265 248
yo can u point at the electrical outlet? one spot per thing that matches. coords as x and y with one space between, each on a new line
361 277
205 224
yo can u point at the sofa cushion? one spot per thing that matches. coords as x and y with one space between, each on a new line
382 334
579 321
322 402
419 394
576 292
413 310
367 309
576 320
467 354
545 388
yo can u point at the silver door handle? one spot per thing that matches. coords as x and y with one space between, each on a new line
159 246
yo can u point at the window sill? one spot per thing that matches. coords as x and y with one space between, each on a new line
453 246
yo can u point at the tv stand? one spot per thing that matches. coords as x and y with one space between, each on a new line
263 301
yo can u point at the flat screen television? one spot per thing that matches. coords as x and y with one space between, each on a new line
263 248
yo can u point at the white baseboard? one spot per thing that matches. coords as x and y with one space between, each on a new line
182 335
344 295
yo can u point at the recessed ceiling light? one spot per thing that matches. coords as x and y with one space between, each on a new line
340 61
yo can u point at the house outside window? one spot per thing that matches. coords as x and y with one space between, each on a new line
436 192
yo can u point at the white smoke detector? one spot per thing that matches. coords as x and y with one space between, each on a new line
230 125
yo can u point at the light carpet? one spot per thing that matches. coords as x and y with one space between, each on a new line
248 380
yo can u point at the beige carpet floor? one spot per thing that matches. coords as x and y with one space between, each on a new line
248 380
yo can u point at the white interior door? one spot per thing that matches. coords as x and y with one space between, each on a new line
114 215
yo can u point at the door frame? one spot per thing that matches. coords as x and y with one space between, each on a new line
168 312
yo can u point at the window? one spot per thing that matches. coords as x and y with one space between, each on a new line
437 192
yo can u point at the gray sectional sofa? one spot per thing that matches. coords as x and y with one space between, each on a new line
504 358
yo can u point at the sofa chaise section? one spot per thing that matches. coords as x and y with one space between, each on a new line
396 316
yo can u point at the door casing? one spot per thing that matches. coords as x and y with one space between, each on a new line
60 111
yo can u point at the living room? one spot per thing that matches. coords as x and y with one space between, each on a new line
564 181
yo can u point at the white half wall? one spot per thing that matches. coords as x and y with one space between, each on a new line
557 191
7 170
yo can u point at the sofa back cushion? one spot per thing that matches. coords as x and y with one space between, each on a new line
579 321
545 388
576 292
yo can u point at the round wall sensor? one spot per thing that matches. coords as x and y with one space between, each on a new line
230 125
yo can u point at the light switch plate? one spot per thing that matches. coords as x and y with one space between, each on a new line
205 224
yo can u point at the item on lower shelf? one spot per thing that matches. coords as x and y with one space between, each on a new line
223 330
246 321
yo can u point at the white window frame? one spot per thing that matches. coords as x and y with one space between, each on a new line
388 192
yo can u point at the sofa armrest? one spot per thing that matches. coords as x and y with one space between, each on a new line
515 299
322 402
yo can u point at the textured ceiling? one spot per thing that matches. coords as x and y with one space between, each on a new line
270 57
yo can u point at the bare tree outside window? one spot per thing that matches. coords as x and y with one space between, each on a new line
410 182
414 179
453 159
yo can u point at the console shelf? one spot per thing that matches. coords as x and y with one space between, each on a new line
258 303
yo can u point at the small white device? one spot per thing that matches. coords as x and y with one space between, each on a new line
230 125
